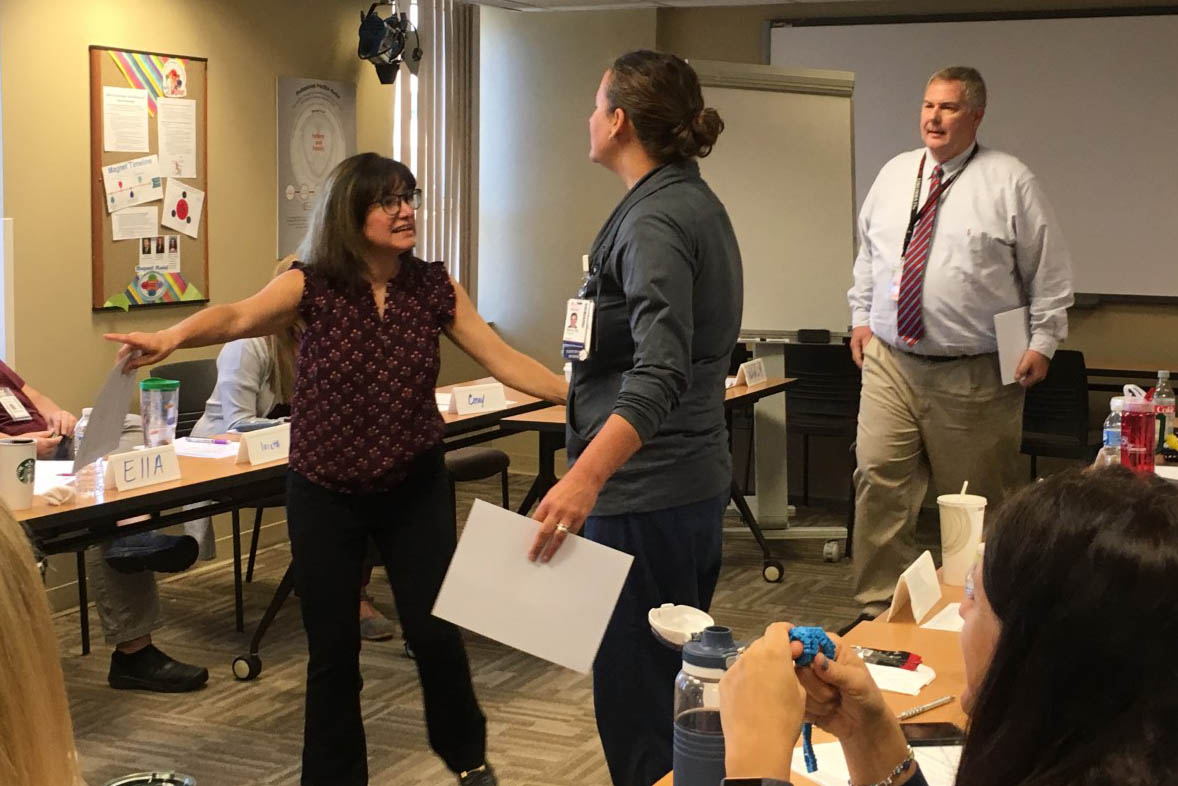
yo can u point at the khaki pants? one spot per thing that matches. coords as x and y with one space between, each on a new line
954 419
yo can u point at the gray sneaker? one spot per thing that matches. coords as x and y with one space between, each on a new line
377 629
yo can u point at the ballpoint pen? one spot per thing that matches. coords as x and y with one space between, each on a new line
209 441
932 705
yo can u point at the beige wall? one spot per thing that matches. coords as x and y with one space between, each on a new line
541 201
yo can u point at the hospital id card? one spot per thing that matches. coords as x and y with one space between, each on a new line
578 329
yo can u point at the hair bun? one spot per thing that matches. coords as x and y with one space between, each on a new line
699 136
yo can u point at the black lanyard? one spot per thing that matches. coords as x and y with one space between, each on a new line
915 215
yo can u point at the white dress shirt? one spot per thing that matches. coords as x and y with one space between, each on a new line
996 246
242 390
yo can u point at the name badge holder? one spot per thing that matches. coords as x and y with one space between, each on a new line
264 445
143 467
578 329
12 405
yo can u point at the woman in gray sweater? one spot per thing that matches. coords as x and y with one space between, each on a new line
649 466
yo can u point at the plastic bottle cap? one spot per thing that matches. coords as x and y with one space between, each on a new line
156 383
712 649
1117 403
1163 374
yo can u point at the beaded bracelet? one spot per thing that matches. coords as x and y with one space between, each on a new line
899 770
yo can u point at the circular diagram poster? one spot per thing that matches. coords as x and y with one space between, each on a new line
316 130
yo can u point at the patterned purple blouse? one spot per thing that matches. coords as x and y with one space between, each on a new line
364 403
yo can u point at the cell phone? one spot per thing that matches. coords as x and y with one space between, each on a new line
944 733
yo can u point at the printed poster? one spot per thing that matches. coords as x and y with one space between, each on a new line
316 130
132 182
182 207
159 254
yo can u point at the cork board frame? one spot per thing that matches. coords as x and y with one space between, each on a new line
113 263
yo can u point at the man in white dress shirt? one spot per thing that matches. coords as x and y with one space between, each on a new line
929 278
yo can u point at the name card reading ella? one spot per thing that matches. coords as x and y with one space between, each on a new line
487 397
145 467
265 444
752 373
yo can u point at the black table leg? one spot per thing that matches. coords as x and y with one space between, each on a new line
238 600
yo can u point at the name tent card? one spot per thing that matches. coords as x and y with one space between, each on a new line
468 399
752 373
917 587
145 467
265 444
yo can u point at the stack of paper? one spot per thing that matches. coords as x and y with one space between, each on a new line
938 764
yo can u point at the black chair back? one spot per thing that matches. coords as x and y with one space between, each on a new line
1058 406
197 380
827 385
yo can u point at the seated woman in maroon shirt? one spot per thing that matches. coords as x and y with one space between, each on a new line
366 457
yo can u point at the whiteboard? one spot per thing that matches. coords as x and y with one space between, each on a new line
783 169
1088 104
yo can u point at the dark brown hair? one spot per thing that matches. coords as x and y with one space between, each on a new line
660 95
335 241
1082 572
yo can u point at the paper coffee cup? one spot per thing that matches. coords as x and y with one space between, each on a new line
962 516
18 462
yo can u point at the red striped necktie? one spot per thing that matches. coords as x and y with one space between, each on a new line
909 308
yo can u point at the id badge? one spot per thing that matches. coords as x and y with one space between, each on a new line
12 405
578 329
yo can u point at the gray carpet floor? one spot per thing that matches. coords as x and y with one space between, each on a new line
541 730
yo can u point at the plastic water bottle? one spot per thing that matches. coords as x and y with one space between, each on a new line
1110 452
698 740
89 480
1163 407
1138 439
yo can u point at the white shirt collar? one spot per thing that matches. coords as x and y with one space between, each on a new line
953 164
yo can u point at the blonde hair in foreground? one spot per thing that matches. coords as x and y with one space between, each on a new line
36 735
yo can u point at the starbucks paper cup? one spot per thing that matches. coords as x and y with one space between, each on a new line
18 462
962 516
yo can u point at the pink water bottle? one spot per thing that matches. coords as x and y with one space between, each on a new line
1137 431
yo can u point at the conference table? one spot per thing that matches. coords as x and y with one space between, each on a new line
549 425
221 485
941 650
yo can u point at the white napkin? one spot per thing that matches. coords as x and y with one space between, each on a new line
901 680
59 495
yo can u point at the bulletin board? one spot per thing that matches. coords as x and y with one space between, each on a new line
170 266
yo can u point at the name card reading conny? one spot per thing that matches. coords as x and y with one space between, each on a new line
486 397
144 467
265 444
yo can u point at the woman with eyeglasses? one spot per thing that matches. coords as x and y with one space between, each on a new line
366 456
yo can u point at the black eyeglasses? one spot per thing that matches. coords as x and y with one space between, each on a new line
391 204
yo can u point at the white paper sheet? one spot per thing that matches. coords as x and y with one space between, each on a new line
182 206
132 182
1012 329
948 618
176 126
124 120
917 585
52 473
904 681
209 450
106 418
135 222
1169 473
556 610
938 764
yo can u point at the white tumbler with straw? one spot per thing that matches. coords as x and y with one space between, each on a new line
962 516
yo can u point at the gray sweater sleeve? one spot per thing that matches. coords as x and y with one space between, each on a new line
656 277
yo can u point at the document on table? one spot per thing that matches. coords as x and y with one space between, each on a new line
906 681
1012 329
556 610
52 473
938 764
209 450
1168 473
106 418
948 618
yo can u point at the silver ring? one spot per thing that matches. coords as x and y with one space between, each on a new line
562 528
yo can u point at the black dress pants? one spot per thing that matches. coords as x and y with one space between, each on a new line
413 527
